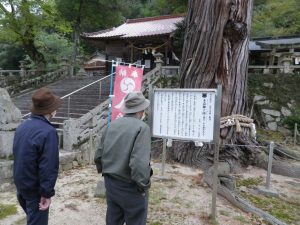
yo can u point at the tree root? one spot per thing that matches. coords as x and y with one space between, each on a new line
239 202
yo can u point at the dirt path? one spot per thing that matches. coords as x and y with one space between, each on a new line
183 199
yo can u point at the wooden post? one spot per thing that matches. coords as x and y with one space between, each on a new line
131 53
216 152
100 91
295 134
163 158
270 165
69 103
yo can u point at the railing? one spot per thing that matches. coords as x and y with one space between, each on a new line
77 131
295 68
68 96
72 93
170 70
265 69
14 83
273 69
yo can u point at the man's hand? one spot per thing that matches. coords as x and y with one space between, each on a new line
44 203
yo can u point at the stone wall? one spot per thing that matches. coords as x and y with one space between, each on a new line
273 98
10 118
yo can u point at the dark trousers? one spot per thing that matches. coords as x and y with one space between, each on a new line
125 203
31 208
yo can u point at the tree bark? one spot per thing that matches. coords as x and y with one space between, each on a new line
216 51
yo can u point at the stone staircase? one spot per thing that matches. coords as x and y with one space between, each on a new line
74 106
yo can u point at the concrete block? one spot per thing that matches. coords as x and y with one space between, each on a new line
268 192
6 143
100 191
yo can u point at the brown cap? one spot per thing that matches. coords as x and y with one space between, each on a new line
44 102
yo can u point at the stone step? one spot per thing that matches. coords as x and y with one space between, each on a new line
80 103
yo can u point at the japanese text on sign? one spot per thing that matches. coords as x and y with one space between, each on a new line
184 114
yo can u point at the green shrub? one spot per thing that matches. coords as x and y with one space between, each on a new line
294 118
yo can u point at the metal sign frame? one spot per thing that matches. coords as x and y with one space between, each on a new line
215 141
164 90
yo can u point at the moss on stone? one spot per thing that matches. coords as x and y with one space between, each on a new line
7 210
249 182
279 208
267 135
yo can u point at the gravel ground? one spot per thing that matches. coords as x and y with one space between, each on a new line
180 197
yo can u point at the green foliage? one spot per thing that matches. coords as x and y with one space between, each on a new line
90 15
10 55
7 210
21 21
145 8
165 7
178 38
294 118
54 47
276 18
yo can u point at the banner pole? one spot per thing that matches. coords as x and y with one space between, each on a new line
110 93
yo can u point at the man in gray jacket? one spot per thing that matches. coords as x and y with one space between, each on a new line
123 157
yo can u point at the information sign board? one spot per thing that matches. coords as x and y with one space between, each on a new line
186 114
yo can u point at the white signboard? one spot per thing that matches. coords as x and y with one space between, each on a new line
186 114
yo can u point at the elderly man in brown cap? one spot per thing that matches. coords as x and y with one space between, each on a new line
123 157
36 158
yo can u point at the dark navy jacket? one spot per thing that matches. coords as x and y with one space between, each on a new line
36 157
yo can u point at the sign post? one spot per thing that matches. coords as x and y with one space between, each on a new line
216 152
188 114
183 114
163 159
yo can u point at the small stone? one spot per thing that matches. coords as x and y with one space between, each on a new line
259 98
269 118
75 164
272 126
269 85
243 189
266 102
268 192
271 112
67 166
100 191
285 111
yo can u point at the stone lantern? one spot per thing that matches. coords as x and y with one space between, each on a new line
158 59
22 68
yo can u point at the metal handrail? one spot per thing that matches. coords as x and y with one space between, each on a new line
86 86
68 95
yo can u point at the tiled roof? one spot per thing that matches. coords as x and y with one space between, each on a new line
254 47
141 27
281 41
265 44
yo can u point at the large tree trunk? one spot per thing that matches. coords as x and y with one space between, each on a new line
216 52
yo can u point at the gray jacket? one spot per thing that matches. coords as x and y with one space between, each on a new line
124 151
